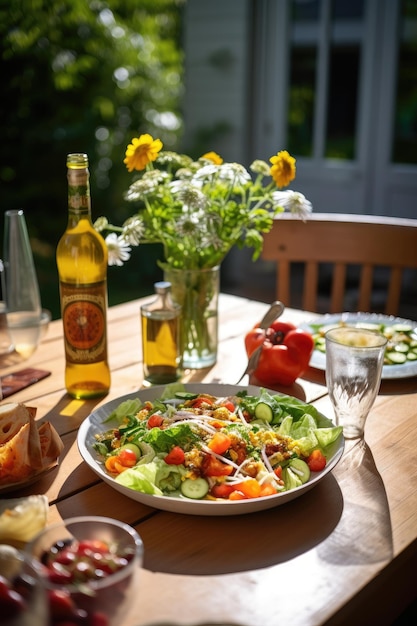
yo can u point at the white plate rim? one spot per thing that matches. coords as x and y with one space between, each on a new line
318 359
85 438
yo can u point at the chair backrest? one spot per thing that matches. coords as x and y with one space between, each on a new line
342 241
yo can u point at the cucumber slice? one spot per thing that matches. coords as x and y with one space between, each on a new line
185 395
412 356
133 447
301 469
402 347
326 327
396 358
147 453
194 488
290 478
368 326
264 412
401 328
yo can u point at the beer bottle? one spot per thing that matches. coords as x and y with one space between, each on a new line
82 267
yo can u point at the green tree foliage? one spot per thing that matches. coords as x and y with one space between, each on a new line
82 76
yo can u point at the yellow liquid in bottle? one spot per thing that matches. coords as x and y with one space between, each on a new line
82 266
161 352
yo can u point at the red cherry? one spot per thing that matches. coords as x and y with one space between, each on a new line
92 545
99 619
11 603
61 604
58 575
66 557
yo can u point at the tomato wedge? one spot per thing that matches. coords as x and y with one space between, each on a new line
155 421
127 457
316 461
222 490
250 488
175 457
220 443
214 467
229 405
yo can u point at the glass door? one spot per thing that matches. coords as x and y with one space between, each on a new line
338 89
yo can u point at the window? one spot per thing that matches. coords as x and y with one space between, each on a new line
404 148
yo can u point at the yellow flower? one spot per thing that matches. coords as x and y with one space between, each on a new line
142 151
283 168
214 157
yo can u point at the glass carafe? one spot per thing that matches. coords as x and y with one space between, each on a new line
23 303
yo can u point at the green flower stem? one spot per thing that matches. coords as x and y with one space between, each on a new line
197 293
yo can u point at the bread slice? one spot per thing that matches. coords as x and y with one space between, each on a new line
26 448
15 464
51 443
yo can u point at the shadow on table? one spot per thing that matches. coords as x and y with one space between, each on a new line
199 545
364 533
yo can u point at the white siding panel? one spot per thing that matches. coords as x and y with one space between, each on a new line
216 53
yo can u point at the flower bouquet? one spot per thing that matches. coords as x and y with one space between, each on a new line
198 210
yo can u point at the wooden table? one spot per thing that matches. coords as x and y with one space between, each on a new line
343 553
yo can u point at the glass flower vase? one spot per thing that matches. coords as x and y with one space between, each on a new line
197 291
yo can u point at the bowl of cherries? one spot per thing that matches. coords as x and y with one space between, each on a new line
89 565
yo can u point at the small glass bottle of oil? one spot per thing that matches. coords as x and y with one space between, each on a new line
161 338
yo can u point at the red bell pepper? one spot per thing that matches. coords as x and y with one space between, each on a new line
285 355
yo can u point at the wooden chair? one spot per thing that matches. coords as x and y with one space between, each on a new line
342 241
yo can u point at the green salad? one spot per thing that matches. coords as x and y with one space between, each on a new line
402 339
199 446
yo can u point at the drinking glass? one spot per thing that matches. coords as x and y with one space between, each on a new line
108 584
354 360
23 599
23 303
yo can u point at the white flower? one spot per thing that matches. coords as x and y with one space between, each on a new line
156 176
118 249
261 167
188 194
234 172
141 188
133 230
101 224
293 201
206 171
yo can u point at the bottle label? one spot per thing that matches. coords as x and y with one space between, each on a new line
84 320
78 189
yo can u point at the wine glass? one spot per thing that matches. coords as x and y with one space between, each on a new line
354 360
23 302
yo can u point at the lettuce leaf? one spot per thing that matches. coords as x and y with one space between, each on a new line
327 436
296 408
128 407
163 440
156 477
171 389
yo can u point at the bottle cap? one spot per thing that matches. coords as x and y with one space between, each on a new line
162 287
77 161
